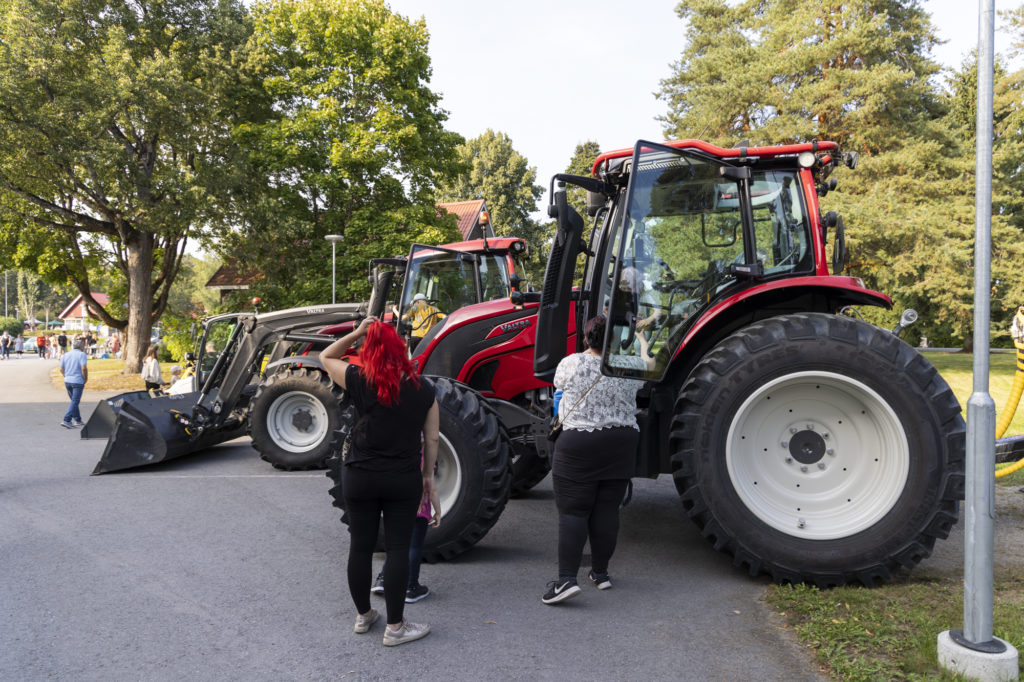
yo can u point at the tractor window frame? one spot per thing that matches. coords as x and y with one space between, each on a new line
640 295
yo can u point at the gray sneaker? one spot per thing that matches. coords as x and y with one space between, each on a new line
406 632
365 621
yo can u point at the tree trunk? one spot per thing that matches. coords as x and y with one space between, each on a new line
140 300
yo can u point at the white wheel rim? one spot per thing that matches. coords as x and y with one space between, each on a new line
297 421
817 455
448 476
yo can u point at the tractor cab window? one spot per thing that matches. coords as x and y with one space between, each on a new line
215 340
437 282
494 282
676 243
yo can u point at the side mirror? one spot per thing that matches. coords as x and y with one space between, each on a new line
595 202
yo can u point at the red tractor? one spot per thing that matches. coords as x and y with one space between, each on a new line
808 444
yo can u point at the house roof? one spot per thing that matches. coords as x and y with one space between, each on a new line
467 212
77 307
229 276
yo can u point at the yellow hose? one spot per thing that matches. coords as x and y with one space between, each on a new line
1007 468
1014 399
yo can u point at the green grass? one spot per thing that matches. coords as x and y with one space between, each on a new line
889 632
106 375
957 370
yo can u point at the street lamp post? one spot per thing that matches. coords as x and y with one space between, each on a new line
334 239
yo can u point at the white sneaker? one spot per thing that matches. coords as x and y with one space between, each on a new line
365 621
406 632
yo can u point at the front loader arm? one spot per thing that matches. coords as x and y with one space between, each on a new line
239 361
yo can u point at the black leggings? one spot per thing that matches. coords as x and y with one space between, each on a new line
587 509
368 495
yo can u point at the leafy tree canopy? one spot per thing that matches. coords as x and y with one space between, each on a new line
115 141
495 172
353 145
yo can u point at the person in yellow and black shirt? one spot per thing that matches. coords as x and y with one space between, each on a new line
421 316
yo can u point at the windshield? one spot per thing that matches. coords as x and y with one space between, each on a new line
218 332
676 243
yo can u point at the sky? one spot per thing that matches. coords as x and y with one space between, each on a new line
554 73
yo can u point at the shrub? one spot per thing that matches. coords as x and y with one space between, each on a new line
11 325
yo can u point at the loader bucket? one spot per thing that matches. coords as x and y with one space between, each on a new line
101 422
145 432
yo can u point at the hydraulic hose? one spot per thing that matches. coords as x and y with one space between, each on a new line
1017 331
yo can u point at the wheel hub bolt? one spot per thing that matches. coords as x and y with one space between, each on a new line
810 427
789 460
821 465
792 429
825 436
804 468
801 523
784 443
831 452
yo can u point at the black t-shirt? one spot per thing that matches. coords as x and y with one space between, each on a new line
387 438
62 340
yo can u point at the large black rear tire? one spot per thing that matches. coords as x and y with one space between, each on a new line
473 475
817 448
294 415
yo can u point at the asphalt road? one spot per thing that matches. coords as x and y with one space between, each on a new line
216 566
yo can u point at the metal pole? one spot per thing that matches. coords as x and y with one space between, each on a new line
333 239
981 411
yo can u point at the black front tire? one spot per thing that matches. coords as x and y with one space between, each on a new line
473 474
294 415
817 448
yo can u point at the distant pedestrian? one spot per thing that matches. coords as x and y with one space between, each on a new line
115 346
151 369
62 343
5 345
41 345
19 345
73 367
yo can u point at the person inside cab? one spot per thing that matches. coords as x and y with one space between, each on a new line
421 316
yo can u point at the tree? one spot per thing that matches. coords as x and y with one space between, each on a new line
777 71
115 143
352 146
580 164
39 299
501 176
781 71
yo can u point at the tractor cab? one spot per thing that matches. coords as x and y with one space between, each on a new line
435 281
693 231
682 232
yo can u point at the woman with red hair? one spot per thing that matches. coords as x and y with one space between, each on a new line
384 473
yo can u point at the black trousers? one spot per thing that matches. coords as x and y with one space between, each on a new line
369 495
587 509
